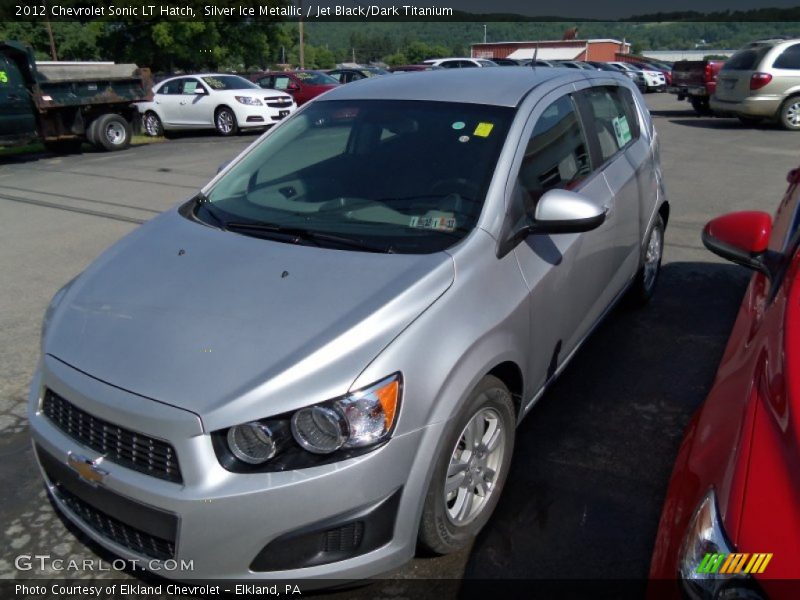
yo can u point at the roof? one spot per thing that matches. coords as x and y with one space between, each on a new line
499 87
559 42
548 53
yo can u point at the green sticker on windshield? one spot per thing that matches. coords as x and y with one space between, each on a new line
458 125
622 130
3 77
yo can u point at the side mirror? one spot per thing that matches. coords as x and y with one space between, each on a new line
292 87
562 211
740 237
199 91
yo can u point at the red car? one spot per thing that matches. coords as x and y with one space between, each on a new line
730 527
302 85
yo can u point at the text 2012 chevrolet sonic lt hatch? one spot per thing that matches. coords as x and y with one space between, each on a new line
320 359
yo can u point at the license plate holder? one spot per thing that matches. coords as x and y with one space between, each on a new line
283 113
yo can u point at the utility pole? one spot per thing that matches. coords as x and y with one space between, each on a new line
49 27
302 48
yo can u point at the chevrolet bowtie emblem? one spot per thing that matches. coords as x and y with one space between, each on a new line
88 470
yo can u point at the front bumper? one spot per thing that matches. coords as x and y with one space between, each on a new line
254 116
752 106
225 520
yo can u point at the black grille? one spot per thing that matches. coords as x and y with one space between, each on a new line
343 539
122 446
278 102
117 531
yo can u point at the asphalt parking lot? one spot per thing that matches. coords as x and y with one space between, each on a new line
593 458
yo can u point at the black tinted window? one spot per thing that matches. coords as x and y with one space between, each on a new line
745 60
557 155
172 87
789 59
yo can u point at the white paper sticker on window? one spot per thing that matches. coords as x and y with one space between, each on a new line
622 130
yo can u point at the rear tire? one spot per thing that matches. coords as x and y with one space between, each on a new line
789 114
701 106
470 470
225 121
644 284
113 132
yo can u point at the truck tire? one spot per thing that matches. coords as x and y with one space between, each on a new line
63 146
701 106
91 132
789 115
113 132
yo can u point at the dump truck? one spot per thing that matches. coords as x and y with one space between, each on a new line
64 105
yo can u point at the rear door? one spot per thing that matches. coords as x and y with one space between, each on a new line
621 155
786 71
17 118
167 100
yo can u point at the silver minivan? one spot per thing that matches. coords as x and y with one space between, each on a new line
319 360
762 81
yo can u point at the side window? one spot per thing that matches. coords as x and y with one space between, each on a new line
789 58
171 87
266 82
614 123
281 82
557 155
451 64
189 86
466 64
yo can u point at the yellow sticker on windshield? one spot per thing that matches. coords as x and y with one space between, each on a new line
483 129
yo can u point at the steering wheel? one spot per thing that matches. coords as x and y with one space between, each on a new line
455 190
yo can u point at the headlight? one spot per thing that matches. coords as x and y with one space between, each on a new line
333 430
248 100
255 443
703 554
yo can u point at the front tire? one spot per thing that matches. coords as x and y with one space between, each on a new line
644 285
152 124
225 121
789 115
470 470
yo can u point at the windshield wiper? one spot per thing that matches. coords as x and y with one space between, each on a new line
316 237
202 200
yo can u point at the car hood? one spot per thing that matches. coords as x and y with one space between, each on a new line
233 327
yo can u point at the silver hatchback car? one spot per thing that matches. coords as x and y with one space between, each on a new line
321 358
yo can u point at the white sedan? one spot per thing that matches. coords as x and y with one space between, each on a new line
226 103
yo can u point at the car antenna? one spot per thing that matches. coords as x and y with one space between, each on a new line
535 54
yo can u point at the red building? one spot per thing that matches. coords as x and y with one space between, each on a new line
598 49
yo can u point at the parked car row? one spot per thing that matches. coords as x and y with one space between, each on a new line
760 82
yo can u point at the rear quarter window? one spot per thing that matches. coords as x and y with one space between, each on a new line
745 60
789 58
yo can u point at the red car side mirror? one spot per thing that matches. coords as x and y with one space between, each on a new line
741 237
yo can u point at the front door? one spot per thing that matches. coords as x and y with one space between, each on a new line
17 117
196 109
567 274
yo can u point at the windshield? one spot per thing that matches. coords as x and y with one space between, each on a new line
228 82
315 78
393 176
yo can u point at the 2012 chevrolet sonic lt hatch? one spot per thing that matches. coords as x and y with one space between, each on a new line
320 360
